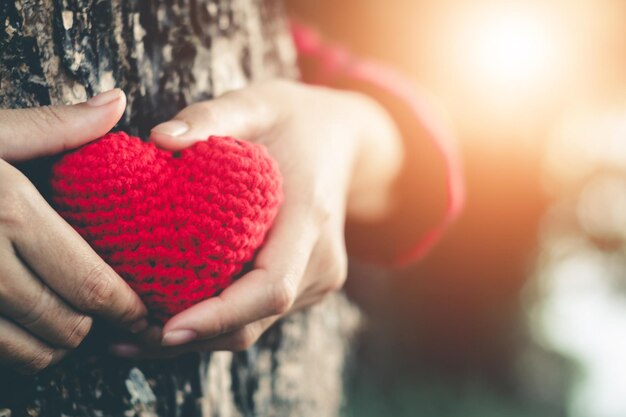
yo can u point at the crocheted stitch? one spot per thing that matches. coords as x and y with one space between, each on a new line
178 227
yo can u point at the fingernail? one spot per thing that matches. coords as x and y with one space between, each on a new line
105 98
178 337
172 128
139 326
125 350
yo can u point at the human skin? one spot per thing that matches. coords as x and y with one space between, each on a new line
339 153
52 283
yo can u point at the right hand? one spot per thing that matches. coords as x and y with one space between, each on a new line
51 281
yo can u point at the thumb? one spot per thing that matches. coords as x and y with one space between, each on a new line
240 114
40 131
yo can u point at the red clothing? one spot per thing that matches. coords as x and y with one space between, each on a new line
334 65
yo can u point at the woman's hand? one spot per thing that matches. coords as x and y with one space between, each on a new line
51 281
338 153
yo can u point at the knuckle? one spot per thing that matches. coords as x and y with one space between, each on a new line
45 117
131 310
321 210
244 339
77 331
337 279
315 209
39 361
207 111
222 326
336 272
203 106
16 197
204 113
96 290
34 314
339 273
256 104
222 323
282 297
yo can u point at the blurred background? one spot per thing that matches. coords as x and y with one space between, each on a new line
521 310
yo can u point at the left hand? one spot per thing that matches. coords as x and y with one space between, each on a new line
338 152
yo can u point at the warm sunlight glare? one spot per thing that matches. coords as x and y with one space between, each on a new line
511 49
504 66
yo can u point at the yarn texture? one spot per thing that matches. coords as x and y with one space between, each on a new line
178 227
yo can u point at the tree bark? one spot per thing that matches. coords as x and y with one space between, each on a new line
165 54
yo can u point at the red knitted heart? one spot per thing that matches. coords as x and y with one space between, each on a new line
177 226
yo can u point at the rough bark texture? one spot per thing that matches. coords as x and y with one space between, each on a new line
165 54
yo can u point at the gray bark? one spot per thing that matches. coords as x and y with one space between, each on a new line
165 54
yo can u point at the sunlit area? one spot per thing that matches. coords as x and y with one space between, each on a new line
581 269
522 312
508 54
313 208
517 64
511 49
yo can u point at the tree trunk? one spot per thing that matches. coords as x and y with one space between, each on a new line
165 54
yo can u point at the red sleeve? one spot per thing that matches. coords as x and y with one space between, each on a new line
411 232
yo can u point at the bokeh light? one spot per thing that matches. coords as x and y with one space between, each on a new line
536 91
509 50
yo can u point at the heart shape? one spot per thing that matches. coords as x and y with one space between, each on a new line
178 227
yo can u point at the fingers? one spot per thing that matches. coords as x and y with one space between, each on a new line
69 265
23 352
30 133
327 271
240 114
236 341
61 258
25 300
269 290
